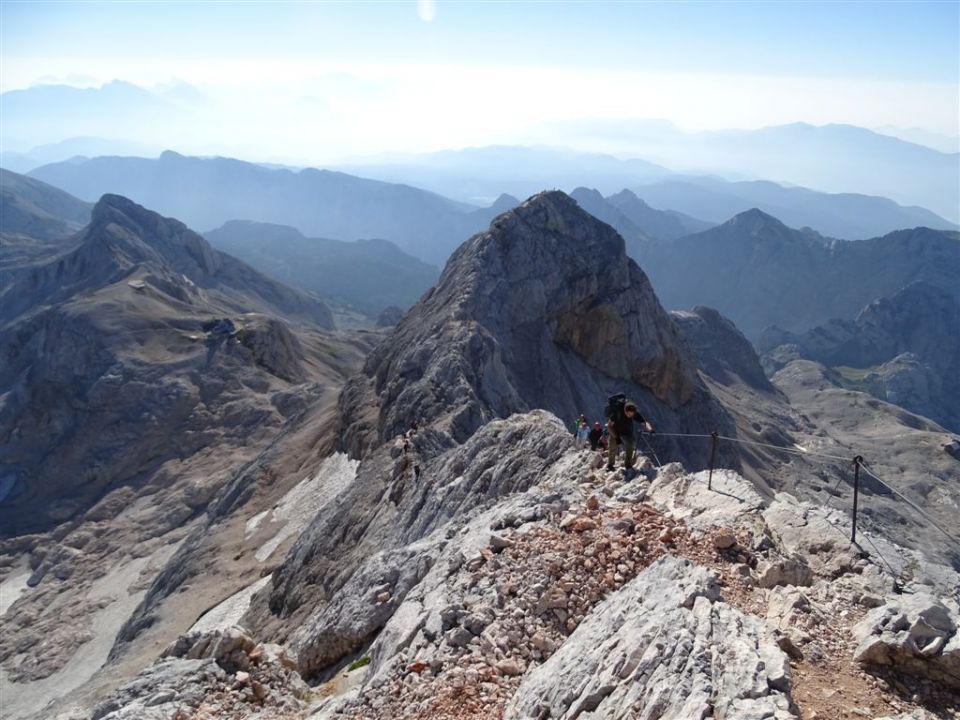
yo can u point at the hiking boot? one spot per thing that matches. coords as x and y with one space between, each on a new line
610 468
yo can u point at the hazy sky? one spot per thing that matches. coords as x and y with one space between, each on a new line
359 78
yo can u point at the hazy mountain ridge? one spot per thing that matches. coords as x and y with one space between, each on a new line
833 158
759 272
209 192
367 274
36 219
841 215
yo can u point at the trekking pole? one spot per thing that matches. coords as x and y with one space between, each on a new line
713 456
646 442
856 495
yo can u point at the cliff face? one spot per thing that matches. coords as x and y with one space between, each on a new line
544 310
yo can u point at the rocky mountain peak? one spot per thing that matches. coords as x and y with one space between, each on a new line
543 310
141 235
757 222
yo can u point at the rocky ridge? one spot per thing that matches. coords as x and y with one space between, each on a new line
650 597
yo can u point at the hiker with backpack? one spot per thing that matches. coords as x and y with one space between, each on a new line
621 416
594 437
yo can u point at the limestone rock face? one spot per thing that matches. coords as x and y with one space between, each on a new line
544 310
663 646
360 541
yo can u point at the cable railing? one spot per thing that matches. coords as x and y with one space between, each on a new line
854 459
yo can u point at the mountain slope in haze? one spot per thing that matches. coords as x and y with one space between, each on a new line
369 275
844 215
636 222
74 148
759 272
658 224
480 173
36 219
208 192
904 349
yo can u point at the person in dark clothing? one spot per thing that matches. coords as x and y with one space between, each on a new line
622 432
594 437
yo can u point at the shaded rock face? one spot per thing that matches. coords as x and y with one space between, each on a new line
722 350
758 272
542 310
36 221
389 317
904 349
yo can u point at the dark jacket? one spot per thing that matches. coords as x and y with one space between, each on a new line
623 425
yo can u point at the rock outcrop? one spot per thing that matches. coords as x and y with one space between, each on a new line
917 635
663 646
544 310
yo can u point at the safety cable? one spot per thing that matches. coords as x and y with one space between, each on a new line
910 502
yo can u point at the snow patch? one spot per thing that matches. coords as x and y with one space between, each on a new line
14 584
229 612
307 498
253 524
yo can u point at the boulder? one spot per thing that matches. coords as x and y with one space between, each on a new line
914 634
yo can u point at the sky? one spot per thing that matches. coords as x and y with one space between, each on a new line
329 79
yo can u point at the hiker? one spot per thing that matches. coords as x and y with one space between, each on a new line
583 431
604 440
579 424
621 415
594 437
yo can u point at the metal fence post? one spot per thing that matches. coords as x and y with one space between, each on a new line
713 456
856 495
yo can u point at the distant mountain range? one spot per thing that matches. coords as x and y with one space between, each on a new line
832 158
847 216
369 275
207 192
74 147
759 272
